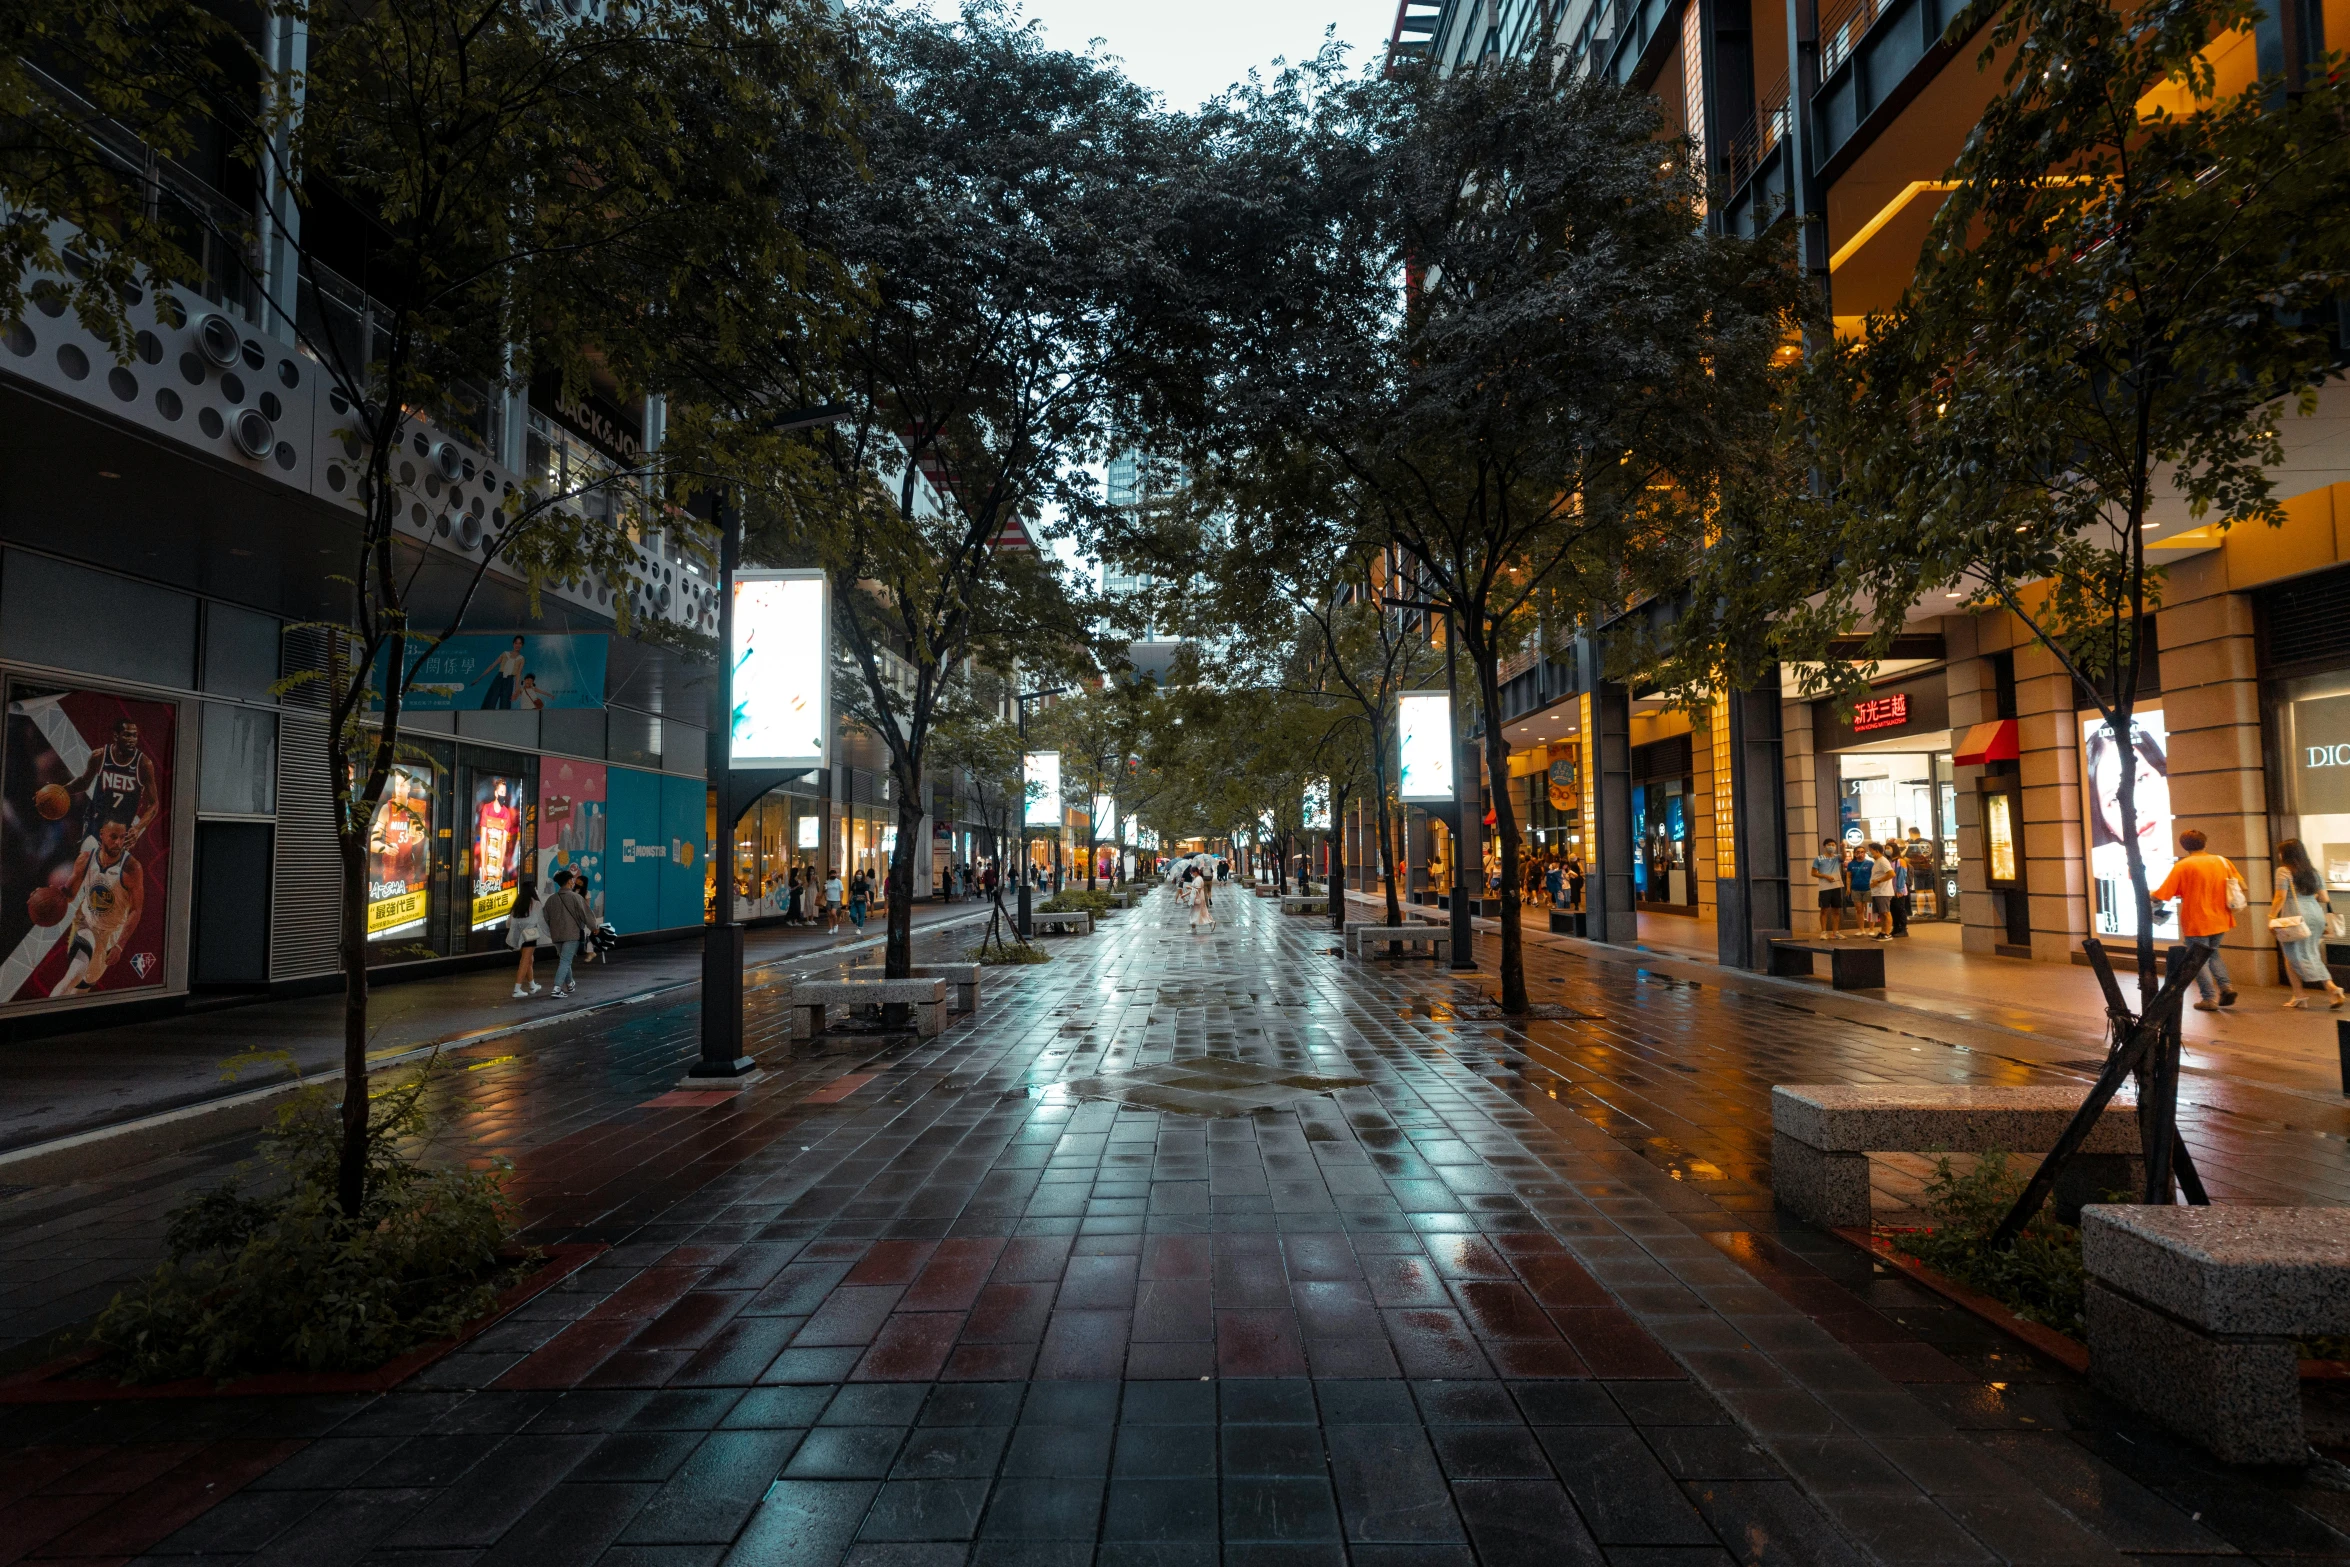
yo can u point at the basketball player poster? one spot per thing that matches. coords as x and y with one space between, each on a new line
85 843
497 847
399 854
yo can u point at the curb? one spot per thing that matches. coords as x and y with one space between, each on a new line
63 1159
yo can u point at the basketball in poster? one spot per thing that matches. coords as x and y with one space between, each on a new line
85 843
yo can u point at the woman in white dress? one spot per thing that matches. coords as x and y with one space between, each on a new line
1203 914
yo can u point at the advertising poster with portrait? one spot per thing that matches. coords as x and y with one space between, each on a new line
2114 907
571 828
497 847
399 855
85 843
494 672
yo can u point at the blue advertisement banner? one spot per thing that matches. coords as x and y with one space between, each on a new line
505 671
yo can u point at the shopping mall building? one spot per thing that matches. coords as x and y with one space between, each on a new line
172 530
1845 116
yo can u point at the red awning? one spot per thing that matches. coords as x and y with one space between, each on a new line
1993 742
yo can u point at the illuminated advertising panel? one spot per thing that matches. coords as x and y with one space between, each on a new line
2113 904
1424 743
782 669
1040 781
1105 819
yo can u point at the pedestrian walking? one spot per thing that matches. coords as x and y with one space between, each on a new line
1203 905
567 920
1827 874
1881 876
831 909
2302 917
860 890
1574 881
1900 907
524 932
2209 891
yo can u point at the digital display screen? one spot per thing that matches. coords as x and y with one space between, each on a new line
1105 819
782 662
1424 742
1040 780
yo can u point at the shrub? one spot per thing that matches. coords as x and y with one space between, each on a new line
2039 1278
286 1282
1014 951
1076 900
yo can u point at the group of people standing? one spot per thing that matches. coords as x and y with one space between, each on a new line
824 900
1876 883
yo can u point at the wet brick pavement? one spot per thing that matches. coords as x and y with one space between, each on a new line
1519 1297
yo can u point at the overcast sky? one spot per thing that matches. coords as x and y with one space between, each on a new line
1192 49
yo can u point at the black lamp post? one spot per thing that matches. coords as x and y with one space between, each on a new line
722 941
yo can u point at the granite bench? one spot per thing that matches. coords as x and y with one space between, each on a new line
2194 1312
810 999
963 976
1266 890
1823 1133
1362 939
1305 903
1071 921
1852 965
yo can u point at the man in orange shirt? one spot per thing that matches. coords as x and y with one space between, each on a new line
2200 882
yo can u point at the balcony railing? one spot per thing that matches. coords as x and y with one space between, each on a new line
1744 150
1841 26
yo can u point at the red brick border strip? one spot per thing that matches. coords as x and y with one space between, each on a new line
55 1383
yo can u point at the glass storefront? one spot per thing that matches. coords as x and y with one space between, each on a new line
2315 804
1907 799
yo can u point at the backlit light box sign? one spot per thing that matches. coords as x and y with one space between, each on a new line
1425 745
1105 819
1880 712
1040 779
1317 806
782 665
811 832
1132 838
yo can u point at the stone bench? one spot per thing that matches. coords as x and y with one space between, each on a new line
1305 903
1823 1133
1073 921
810 998
1569 922
1361 939
2193 1314
1856 965
963 976
1266 890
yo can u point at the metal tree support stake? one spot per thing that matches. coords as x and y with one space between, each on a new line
2145 1047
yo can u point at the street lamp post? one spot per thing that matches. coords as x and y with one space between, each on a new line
1023 698
722 941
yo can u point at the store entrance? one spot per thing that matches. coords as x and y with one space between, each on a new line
1906 798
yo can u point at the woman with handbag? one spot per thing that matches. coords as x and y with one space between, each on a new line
2301 919
524 932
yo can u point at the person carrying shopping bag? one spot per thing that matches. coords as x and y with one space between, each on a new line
2210 891
2301 918
567 920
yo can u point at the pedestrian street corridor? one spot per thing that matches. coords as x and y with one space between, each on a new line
1189 1247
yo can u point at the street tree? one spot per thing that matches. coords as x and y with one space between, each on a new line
2084 356
1489 300
485 191
105 107
999 232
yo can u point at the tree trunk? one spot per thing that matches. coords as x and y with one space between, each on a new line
1387 859
1505 827
351 1168
898 947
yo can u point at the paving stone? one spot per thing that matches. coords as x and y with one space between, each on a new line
936 1303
